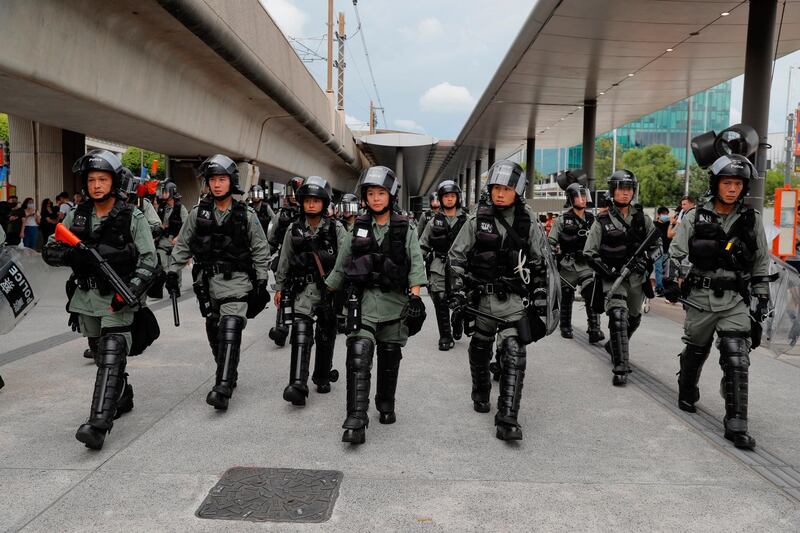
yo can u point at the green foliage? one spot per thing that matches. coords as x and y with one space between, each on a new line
4 127
132 159
604 162
698 181
657 171
774 180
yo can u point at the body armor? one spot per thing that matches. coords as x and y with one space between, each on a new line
573 232
711 248
226 245
494 257
112 239
385 266
286 216
263 215
175 222
303 266
442 234
618 245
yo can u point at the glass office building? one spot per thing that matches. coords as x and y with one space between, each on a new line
710 111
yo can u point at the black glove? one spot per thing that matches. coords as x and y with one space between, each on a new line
415 314
262 289
641 265
74 322
762 306
171 283
672 291
457 300
58 254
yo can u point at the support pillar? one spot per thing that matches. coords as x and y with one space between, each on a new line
530 166
466 194
477 187
398 170
757 85
491 158
589 126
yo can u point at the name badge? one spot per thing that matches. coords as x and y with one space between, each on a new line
362 232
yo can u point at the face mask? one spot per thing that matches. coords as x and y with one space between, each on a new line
29 206
664 218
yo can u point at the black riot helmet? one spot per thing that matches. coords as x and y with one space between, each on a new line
433 197
576 190
128 182
222 165
315 187
348 205
101 160
507 173
292 188
622 179
383 177
446 187
169 188
256 193
731 166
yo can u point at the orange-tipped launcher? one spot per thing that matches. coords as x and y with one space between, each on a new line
63 234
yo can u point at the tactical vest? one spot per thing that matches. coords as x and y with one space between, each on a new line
573 232
493 256
286 216
226 245
263 215
711 248
113 241
175 221
618 245
442 235
303 266
385 266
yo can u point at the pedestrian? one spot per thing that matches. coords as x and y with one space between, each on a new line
63 204
48 216
16 218
119 233
662 224
231 271
725 243
30 224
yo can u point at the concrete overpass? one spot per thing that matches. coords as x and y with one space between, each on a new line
183 77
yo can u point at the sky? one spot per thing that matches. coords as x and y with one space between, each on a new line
433 59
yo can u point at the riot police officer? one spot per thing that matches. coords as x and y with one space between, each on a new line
493 252
171 214
263 210
308 255
130 186
436 240
725 243
613 239
119 233
348 209
285 216
428 214
568 234
380 264
229 248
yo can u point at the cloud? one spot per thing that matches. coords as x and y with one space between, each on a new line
446 98
408 125
429 28
355 123
286 15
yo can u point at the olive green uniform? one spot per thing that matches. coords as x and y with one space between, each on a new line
228 296
382 312
575 272
93 308
165 245
150 213
436 279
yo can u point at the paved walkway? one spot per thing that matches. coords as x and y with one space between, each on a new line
594 457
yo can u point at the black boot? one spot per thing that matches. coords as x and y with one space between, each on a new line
692 359
565 322
109 387
510 390
2 383
230 340
279 332
480 353
457 323
443 321
495 366
594 331
618 344
735 361
302 341
324 374
212 334
359 364
389 356
90 352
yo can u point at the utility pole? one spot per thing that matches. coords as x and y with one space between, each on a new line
371 117
787 172
340 65
330 47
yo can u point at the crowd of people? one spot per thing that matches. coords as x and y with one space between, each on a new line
25 225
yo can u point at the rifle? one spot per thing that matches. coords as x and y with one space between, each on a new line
628 268
123 293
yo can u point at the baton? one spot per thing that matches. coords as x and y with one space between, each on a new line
175 314
694 306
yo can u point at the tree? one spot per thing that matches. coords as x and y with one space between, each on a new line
774 180
4 127
603 161
133 156
656 168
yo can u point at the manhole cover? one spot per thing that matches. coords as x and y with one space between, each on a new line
273 495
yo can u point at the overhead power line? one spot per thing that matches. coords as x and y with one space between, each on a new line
360 31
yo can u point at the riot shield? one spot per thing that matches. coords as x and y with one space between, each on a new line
21 271
782 329
547 293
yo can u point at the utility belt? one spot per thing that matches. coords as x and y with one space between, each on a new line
224 268
299 282
93 283
719 286
500 288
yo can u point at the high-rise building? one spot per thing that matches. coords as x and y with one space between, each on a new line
710 111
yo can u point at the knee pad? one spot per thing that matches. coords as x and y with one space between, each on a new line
634 321
390 353
567 293
734 352
111 350
514 355
303 332
617 319
230 328
359 353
